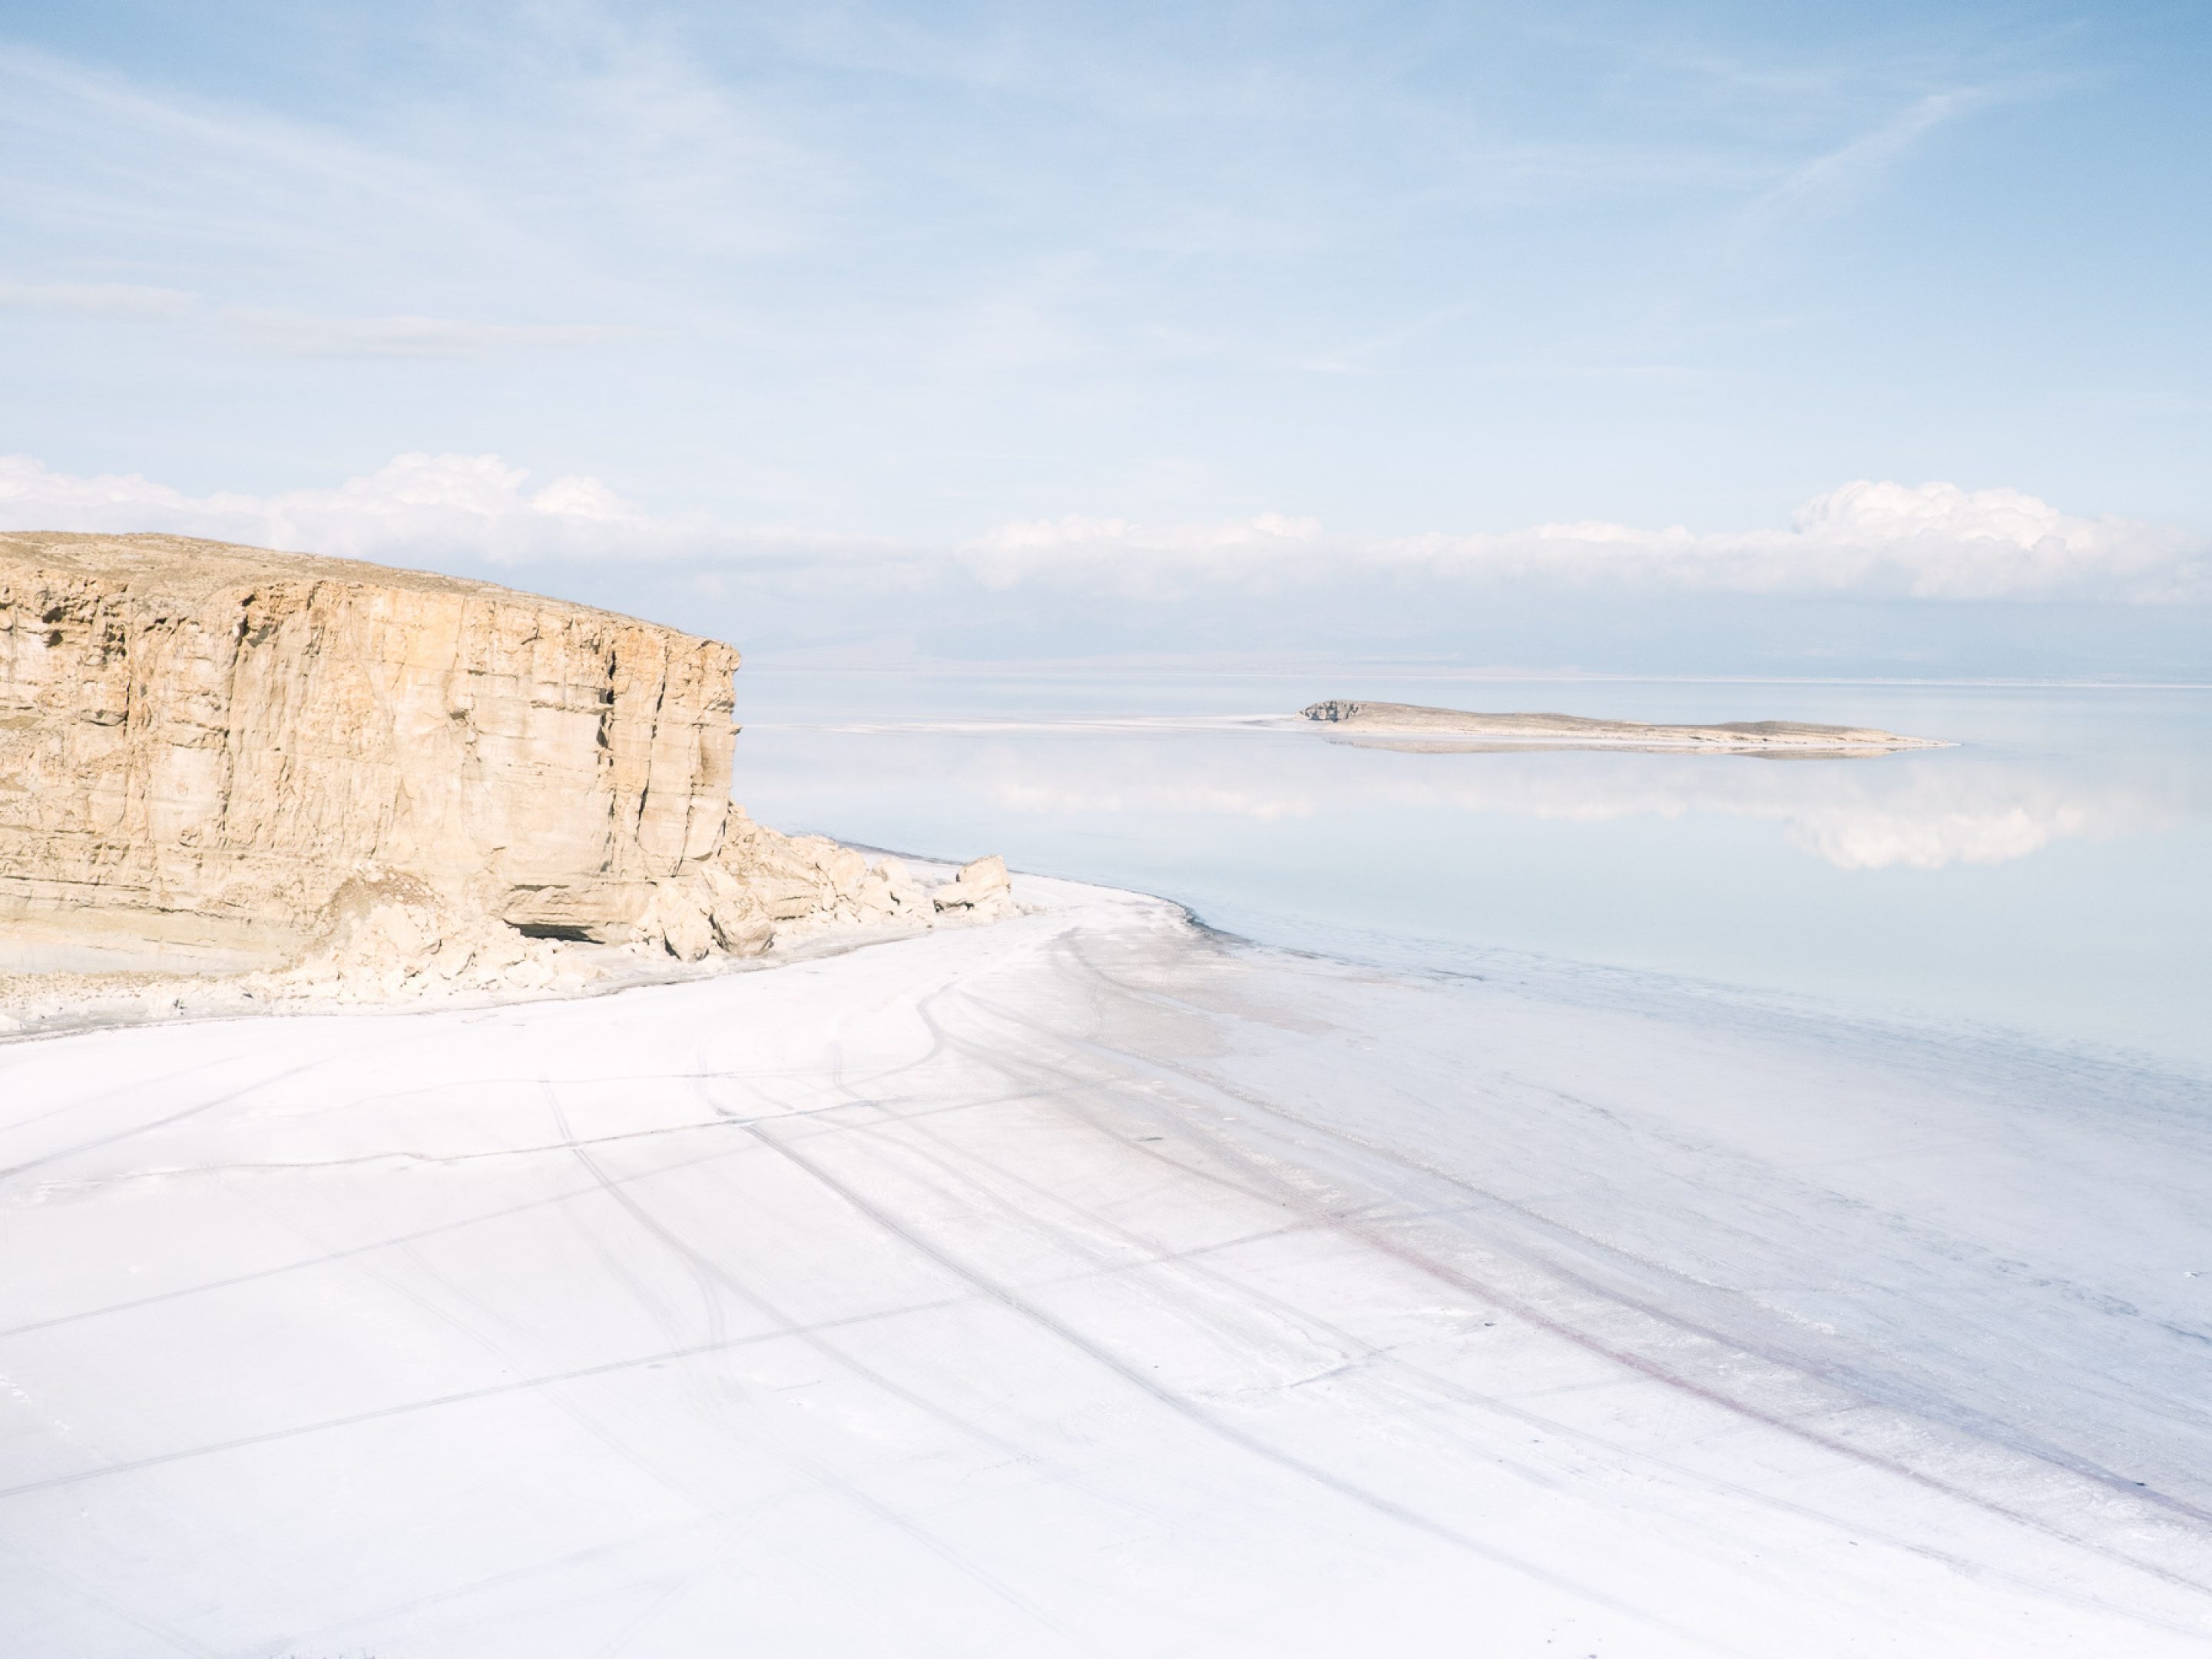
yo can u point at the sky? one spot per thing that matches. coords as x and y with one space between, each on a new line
1862 339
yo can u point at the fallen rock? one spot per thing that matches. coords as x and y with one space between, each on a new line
981 892
985 875
680 919
890 893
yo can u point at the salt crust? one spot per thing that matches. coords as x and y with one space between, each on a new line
1088 1283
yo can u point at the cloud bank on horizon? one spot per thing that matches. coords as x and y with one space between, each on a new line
1932 541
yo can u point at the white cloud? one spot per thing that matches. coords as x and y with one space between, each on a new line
1932 541
1852 816
469 504
1874 839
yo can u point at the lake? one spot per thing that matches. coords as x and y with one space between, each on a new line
2050 875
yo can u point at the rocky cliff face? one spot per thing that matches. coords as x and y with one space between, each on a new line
201 745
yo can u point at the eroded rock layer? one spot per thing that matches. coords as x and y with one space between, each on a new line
202 744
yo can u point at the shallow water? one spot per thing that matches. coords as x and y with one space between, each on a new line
2051 875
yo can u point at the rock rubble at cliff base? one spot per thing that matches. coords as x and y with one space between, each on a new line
390 940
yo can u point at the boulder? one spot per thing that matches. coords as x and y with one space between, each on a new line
679 919
985 874
982 892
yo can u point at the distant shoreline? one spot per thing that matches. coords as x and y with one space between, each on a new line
1445 729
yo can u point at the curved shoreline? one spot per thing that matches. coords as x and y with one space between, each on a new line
1081 1272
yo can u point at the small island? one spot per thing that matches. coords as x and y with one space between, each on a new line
1415 728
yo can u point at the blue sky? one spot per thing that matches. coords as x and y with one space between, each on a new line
820 294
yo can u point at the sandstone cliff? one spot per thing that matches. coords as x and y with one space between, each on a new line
241 757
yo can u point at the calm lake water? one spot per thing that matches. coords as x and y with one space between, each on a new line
2051 875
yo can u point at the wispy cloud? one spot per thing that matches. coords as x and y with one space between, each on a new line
410 336
613 155
96 154
306 333
1834 178
99 299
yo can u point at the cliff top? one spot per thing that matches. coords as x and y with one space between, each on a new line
187 569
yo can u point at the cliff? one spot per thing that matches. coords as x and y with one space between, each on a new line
228 756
